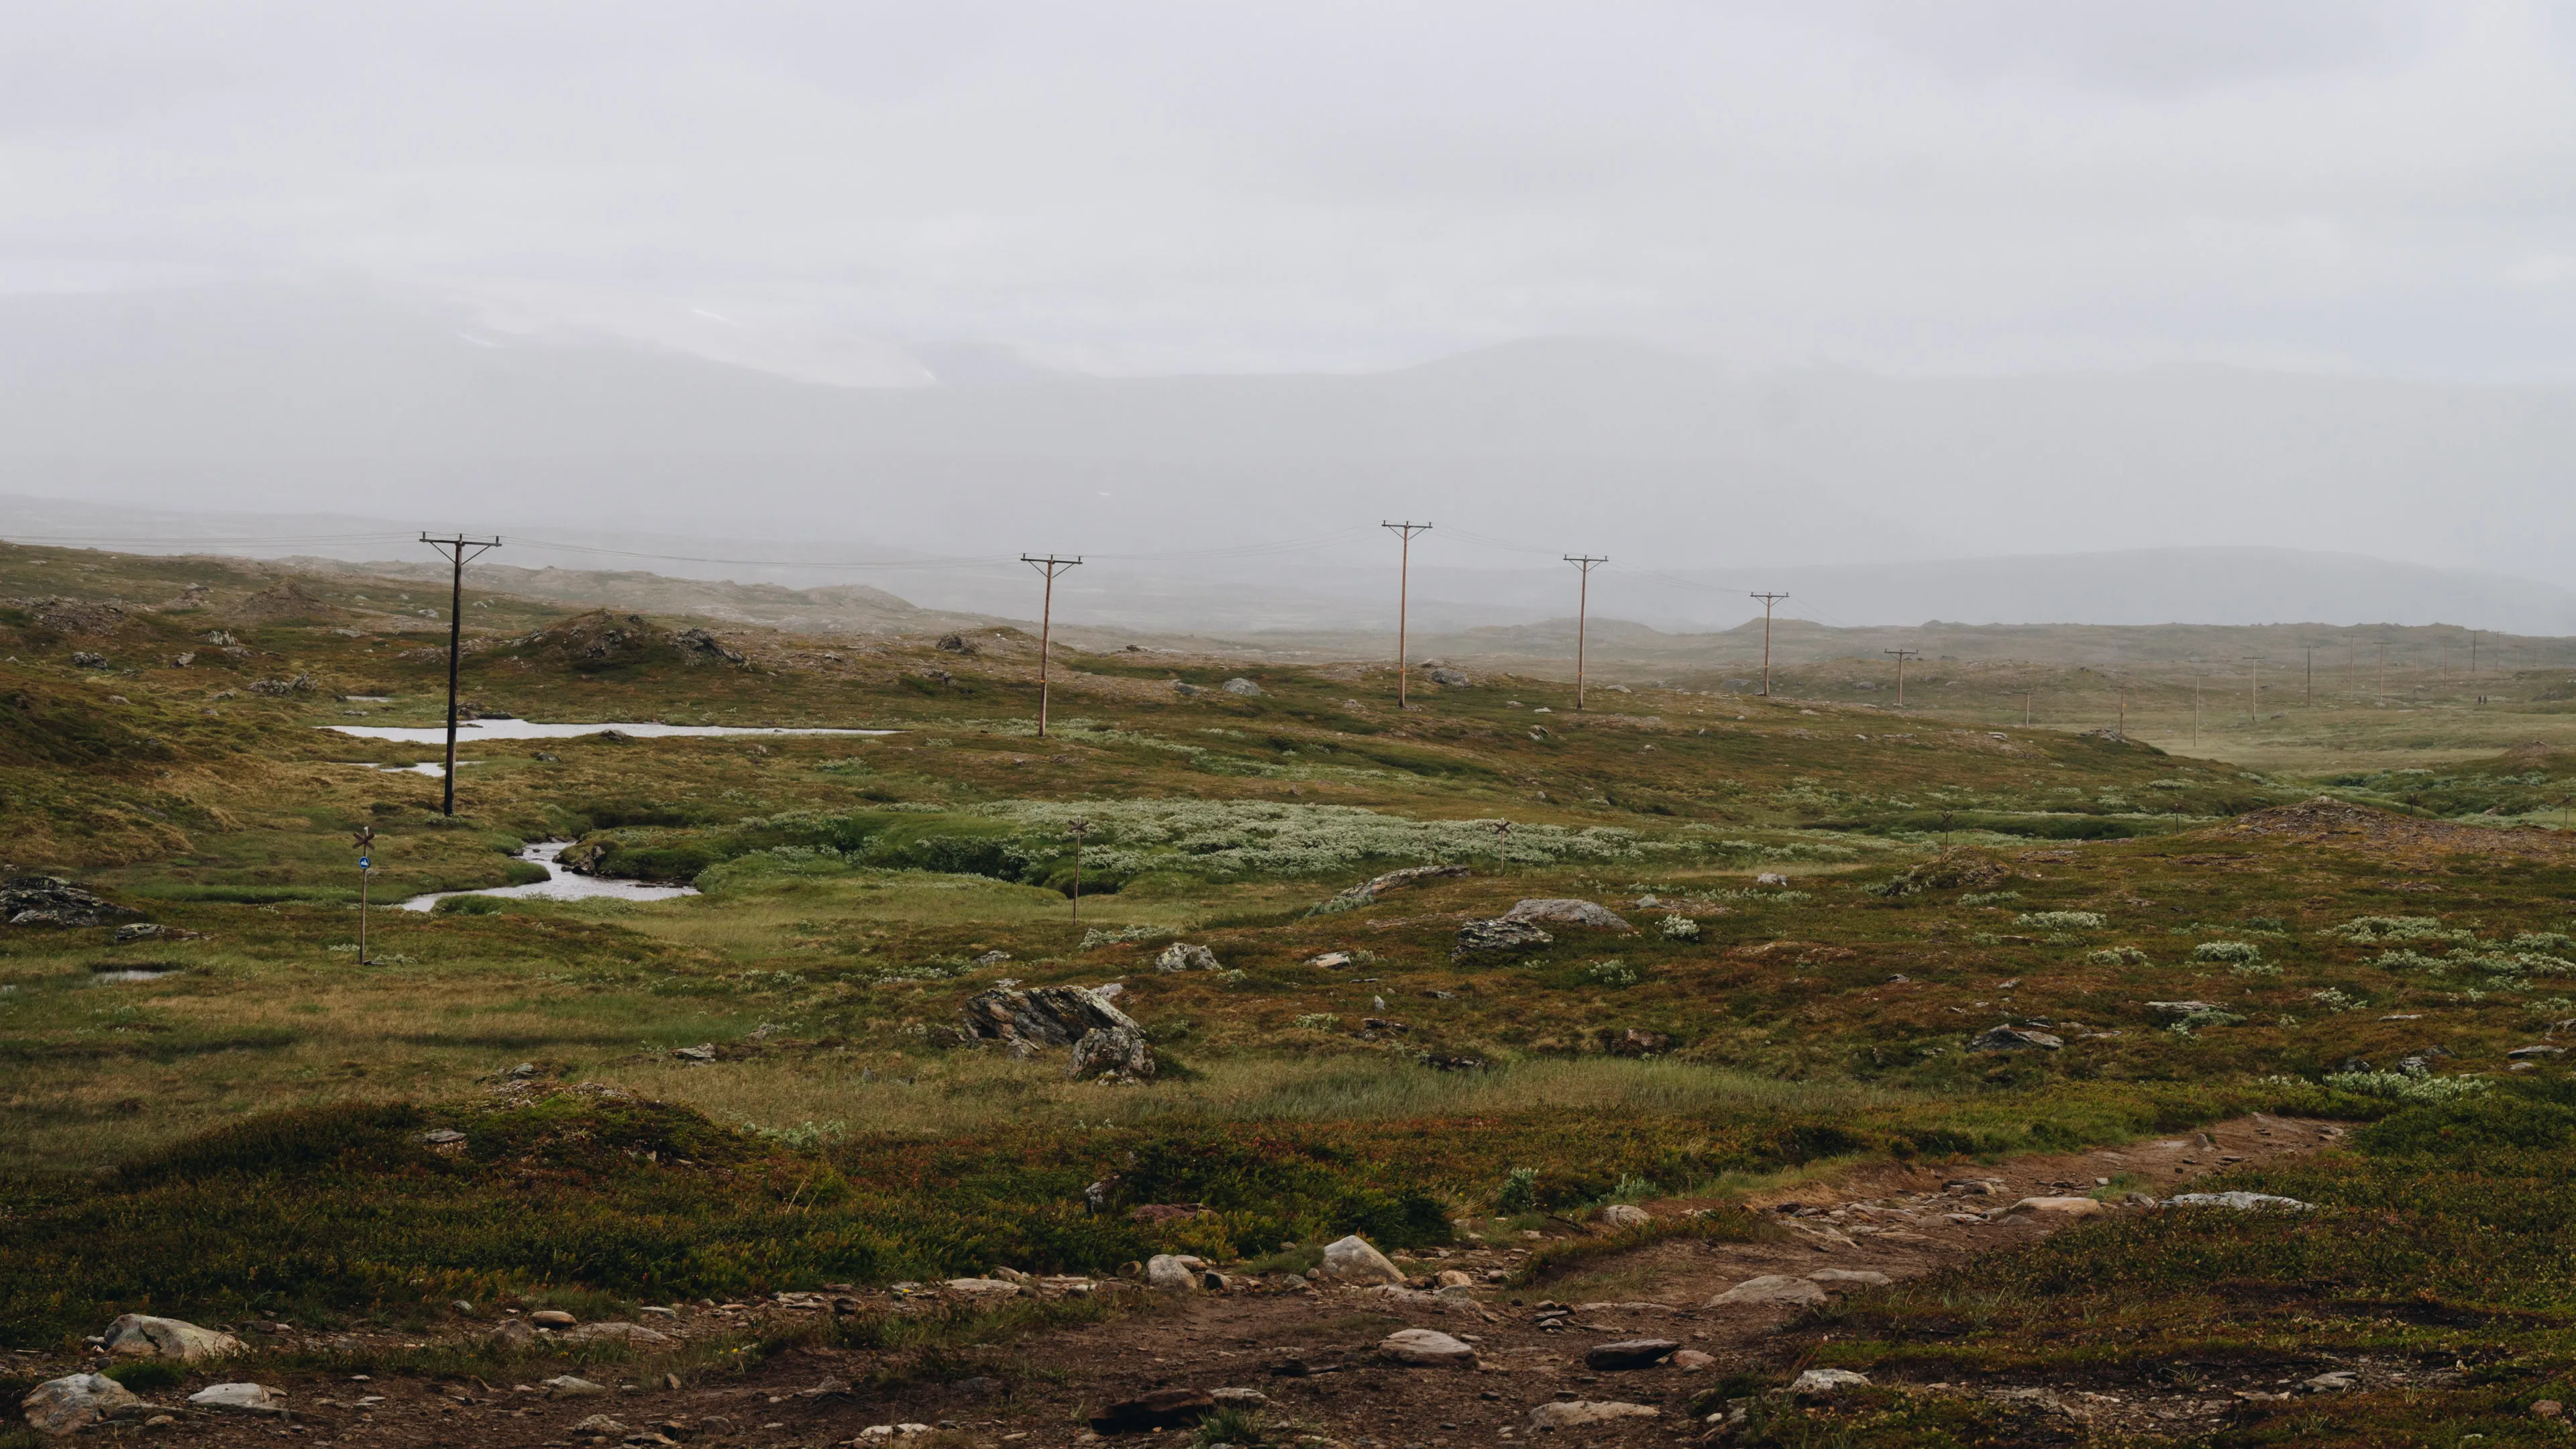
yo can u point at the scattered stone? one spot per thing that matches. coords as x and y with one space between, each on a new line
1427 1348
1827 1382
1770 1288
84 659
1452 1278
47 900
134 1335
1239 1398
635 1333
1771 878
552 1318
1171 1273
1112 1054
1564 912
1635 1042
2241 1201
1452 678
2013 1039
2068 1207
954 644
600 1426
992 958
1330 960
238 1399
1691 1360
441 1136
1368 891
2334 1381
1574 1413
567 1386
1634 1353
75 1402
1352 1260
2517 1053
1625 1215
1498 935
2184 1008
1244 687
512 1335
1181 956
1161 1409
887 1433
133 931
1834 1278
704 1051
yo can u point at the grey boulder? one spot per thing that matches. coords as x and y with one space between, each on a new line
1427 1348
1043 1016
238 1399
1767 1289
1634 1353
1498 935
1112 1054
1353 1260
136 1335
75 1402
1566 912
1182 956
46 900
1244 687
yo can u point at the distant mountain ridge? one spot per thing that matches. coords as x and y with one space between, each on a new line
302 398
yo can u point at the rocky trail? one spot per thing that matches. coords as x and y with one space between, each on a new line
1488 1363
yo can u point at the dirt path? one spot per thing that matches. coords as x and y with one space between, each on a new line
1311 1352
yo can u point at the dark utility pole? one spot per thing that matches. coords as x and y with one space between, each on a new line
1050 566
1767 601
1582 615
1901 656
456 547
1403 597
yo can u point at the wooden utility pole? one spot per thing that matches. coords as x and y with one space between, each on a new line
1403 606
455 547
1582 615
1901 656
1767 601
1049 565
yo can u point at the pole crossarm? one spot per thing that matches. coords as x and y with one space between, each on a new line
455 546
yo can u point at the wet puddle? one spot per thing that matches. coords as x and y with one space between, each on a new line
560 884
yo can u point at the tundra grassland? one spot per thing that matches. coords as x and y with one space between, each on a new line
227 1119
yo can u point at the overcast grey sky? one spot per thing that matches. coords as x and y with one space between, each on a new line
1911 185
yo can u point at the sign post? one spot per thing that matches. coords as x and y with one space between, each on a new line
365 838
